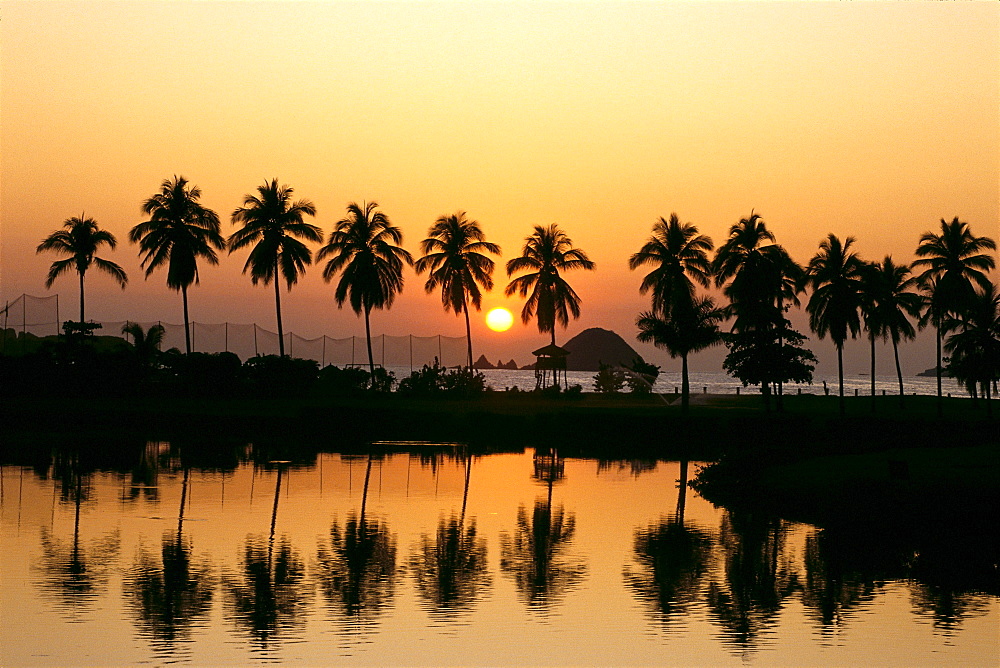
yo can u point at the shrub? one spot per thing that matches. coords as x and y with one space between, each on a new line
342 381
431 380
609 379
641 376
274 376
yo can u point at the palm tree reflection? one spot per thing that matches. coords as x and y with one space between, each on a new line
451 570
170 597
535 554
357 570
674 559
75 573
758 578
269 595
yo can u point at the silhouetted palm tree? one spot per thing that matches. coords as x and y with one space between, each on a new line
953 261
547 253
835 275
888 303
364 249
687 328
756 274
179 232
758 277
975 345
146 343
679 255
271 223
453 253
81 239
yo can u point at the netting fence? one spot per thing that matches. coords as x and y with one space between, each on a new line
39 316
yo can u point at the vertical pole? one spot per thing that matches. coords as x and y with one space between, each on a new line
291 341
440 354
352 351
383 351
255 353
57 314
24 321
227 337
411 353
323 363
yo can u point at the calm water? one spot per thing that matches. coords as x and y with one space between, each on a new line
432 557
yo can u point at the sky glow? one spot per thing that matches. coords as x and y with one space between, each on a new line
868 119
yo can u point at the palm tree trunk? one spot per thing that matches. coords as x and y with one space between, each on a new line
872 337
468 331
277 307
685 386
187 325
899 371
937 371
840 373
81 297
368 337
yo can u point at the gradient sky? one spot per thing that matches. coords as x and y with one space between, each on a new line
868 119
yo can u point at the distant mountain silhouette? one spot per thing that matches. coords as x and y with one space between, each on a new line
932 372
595 346
483 363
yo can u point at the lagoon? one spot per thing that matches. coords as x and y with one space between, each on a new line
432 554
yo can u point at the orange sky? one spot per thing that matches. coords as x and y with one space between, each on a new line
867 119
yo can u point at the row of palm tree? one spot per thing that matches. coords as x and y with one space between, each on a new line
761 282
364 249
756 274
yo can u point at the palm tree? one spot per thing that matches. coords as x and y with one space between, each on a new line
953 261
364 249
888 303
453 253
145 342
835 275
179 232
679 256
546 253
271 223
684 330
757 276
975 346
81 239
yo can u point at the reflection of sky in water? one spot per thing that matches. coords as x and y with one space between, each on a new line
584 565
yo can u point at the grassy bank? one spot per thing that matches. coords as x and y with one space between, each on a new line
621 426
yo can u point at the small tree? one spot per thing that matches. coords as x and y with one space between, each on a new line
609 379
766 357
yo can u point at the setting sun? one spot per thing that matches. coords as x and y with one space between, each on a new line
499 319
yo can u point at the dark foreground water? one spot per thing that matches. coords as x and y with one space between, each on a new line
432 557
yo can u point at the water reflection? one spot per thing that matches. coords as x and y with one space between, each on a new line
451 570
536 554
74 572
269 596
674 559
170 596
243 583
758 576
356 570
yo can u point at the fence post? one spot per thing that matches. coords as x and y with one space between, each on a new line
323 363
227 337
255 353
57 314
383 350
411 353
441 354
